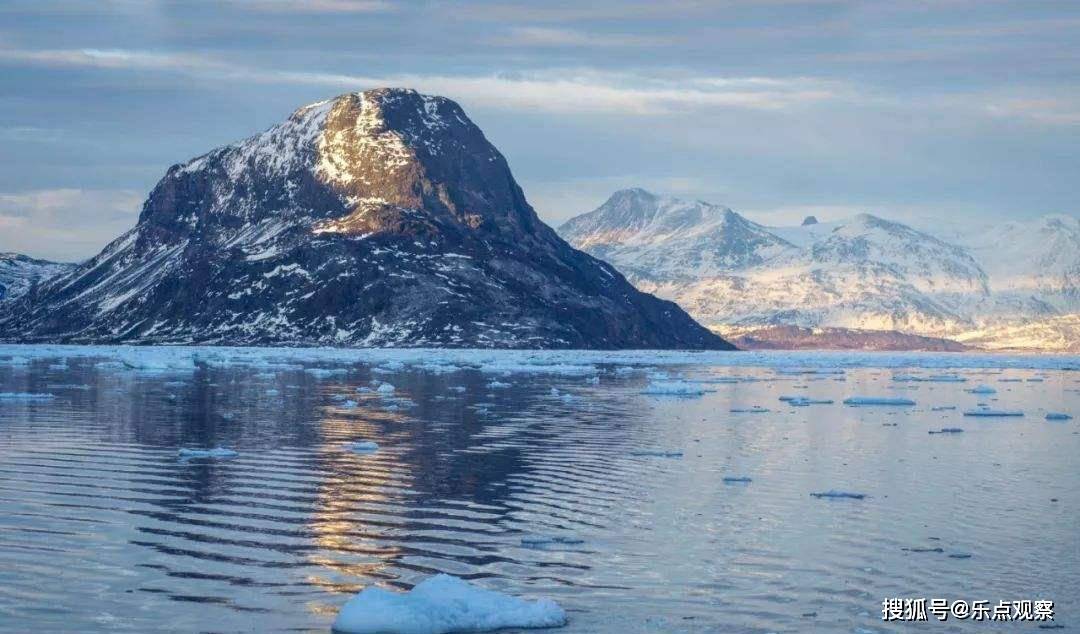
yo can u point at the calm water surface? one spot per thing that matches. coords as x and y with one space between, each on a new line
103 528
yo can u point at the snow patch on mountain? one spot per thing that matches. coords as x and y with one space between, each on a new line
863 273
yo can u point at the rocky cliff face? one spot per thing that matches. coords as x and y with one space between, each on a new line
19 273
376 218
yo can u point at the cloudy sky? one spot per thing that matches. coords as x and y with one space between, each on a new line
965 110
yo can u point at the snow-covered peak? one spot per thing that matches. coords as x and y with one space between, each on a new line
668 237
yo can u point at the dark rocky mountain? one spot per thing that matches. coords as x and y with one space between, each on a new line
19 273
373 219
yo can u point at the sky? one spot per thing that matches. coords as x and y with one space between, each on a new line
959 111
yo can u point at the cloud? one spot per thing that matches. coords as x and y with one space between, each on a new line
1052 111
539 36
65 224
553 90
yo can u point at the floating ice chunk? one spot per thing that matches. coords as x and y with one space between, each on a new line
943 408
834 494
385 388
1058 416
593 380
216 452
959 555
657 454
363 446
443 604
749 410
992 413
495 383
348 404
673 387
457 388
878 400
946 430
982 389
322 373
737 480
25 396
933 378
791 371
804 401
272 392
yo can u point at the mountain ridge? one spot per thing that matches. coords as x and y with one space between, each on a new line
861 274
377 218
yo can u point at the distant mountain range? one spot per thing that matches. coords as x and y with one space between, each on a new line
18 273
845 283
380 218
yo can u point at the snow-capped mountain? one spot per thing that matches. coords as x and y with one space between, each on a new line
376 218
18 273
862 274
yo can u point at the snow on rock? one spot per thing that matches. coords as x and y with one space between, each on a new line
1015 285
443 604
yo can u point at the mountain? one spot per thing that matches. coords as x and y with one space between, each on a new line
666 239
373 219
18 273
840 282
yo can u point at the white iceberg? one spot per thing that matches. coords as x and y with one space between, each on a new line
443 604
878 400
216 452
385 388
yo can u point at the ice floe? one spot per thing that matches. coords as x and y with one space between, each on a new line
673 387
25 396
1058 416
737 480
749 410
878 400
992 413
982 389
443 604
804 401
835 495
362 446
946 430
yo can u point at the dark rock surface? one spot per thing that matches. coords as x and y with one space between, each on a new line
382 218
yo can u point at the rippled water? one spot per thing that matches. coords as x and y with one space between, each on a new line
103 528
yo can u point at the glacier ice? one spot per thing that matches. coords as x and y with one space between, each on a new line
443 604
